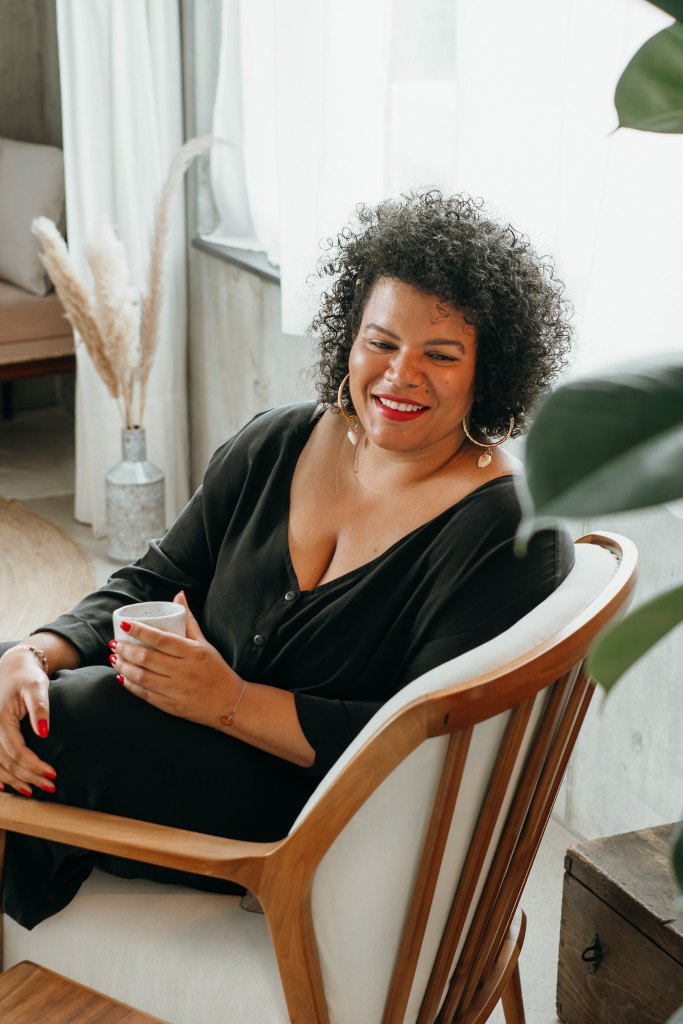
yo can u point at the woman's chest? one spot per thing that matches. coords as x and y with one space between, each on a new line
331 533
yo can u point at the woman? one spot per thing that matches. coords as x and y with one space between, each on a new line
333 553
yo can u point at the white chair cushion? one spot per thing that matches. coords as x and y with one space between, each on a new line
31 185
188 957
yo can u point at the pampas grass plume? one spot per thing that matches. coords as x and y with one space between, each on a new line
116 312
74 298
120 343
151 304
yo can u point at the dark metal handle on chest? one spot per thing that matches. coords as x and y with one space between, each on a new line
594 954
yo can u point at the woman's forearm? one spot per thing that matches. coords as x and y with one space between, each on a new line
266 718
58 651
188 677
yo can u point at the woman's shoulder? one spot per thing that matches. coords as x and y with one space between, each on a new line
487 520
264 443
281 421
495 499
278 425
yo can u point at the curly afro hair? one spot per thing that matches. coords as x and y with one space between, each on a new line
446 246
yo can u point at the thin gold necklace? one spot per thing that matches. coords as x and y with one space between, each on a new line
462 450
356 452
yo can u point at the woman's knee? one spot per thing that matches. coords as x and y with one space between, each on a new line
89 718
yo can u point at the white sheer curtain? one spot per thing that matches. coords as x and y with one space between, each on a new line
329 104
120 78
535 135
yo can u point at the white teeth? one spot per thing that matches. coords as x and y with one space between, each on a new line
401 406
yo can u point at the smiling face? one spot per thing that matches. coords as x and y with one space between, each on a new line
412 368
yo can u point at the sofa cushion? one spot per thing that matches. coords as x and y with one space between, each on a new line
32 326
31 185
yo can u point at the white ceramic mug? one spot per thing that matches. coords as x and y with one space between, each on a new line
164 615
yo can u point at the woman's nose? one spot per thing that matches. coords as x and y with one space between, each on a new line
404 369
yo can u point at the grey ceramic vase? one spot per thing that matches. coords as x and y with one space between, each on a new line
135 499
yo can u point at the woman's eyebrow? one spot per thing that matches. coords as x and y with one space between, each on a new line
447 341
431 341
383 330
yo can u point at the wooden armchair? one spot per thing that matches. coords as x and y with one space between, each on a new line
395 896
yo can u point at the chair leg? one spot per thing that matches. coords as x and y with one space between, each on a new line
513 1004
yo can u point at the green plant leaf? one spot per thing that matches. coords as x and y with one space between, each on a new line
677 856
634 635
672 7
649 94
608 443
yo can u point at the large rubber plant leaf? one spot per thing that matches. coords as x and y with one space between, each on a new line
607 443
649 94
626 641
672 7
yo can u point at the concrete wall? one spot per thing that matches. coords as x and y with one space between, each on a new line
30 107
240 363
627 769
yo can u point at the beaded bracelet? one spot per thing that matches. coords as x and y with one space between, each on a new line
227 719
40 655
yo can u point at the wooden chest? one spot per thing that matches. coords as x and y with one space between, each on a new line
621 936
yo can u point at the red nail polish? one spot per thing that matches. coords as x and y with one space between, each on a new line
43 728
125 626
48 787
50 775
112 644
119 679
24 792
112 659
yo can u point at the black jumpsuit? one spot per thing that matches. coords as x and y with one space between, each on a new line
343 648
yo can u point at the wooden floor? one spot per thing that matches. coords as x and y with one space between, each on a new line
33 995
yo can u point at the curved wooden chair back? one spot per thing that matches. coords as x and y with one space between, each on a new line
456 785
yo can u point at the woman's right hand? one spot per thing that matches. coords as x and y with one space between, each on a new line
23 691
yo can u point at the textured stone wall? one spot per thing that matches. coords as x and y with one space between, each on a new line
29 72
239 361
627 767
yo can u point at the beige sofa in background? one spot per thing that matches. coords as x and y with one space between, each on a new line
35 338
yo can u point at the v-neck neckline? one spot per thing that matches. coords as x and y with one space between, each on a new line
294 456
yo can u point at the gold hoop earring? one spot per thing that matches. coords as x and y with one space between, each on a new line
352 422
485 458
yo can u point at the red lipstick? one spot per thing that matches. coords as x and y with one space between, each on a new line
398 415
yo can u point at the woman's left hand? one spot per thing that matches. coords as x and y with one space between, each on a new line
184 676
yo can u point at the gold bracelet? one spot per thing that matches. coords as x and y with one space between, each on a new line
40 655
227 719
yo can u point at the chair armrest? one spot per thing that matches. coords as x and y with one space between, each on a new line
230 859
